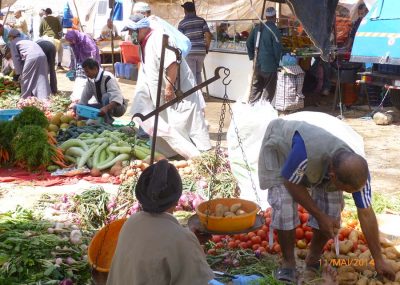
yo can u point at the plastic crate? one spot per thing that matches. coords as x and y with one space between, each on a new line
87 112
389 68
375 96
8 115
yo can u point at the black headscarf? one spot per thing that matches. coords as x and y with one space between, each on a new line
159 187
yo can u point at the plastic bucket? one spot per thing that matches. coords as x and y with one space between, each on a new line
102 247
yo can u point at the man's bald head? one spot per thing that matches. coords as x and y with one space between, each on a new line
350 169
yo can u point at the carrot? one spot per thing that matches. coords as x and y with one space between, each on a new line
59 163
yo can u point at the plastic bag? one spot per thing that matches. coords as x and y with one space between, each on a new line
245 279
251 122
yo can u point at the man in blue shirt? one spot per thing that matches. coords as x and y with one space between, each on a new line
269 55
196 29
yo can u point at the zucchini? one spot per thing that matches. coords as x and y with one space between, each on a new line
86 155
73 142
75 151
96 154
121 157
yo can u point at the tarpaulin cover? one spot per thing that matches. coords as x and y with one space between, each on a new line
378 37
118 11
44 179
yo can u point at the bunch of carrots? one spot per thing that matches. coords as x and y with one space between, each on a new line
4 155
58 157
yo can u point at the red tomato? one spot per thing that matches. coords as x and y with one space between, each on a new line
345 232
264 244
243 245
237 236
216 238
244 237
301 209
267 221
212 251
276 248
265 228
262 234
304 217
308 235
249 244
262 249
219 245
256 240
231 244
251 234
299 233
340 237
355 246
255 246
237 242
306 227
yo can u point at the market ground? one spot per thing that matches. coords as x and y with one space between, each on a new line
382 146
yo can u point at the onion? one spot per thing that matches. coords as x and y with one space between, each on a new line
50 230
64 198
75 237
70 260
59 226
66 282
105 175
83 246
58 261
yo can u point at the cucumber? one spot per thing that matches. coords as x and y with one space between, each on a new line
121 157
86 155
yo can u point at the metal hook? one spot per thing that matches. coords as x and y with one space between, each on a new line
227 72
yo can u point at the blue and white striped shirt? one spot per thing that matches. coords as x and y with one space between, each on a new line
296 165
194 28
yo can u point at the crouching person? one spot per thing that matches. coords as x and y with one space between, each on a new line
153 248
104 87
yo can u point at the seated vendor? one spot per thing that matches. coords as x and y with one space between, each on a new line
153 248
108 30
103 85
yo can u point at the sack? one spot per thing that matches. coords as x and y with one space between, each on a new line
288 96
176 38
252 122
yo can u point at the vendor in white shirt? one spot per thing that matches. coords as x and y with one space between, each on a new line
104 87
108 30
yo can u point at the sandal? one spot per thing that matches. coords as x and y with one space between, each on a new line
311 275
285 275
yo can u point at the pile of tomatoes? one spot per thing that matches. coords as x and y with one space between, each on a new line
258 240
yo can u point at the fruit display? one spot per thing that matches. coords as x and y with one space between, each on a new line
294 42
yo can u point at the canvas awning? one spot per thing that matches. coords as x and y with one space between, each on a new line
378 37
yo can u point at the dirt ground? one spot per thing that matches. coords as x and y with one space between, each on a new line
382 145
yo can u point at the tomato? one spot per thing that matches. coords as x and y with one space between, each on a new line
212 251
231 244
345 232
244 237
340 237
216 238
219 245
255 246
276 248
243 245
262 234
299 233
267 221
237 242
352 223
262 249
304 217
302 244
251 234
308 235
249 244
265 228
256 240
301 209
264 244
237 237
306 227
355 246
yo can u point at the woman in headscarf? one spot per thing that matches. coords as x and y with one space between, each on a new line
153 248
83 47
30 64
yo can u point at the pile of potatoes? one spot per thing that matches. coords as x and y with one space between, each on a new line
225 211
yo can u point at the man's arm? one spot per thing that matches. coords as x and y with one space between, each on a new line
171 74
301 195
369 227
250 44
207 38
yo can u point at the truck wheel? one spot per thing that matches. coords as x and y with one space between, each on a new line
395 98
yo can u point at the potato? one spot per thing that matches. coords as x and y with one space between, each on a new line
346 268
240 212
385 242
345 246
235 207
372 282
229 214
368 273
362 281
397 278
219 210
353 236
366 255
346 277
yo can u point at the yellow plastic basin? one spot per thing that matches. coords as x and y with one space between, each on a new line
228 224
101 249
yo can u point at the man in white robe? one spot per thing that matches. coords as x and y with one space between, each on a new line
182 126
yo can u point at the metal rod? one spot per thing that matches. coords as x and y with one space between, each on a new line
112 35
179 98
160 78
205 78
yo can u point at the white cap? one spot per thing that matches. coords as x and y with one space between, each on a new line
270 12
141 7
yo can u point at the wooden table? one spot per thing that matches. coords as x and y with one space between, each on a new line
106 52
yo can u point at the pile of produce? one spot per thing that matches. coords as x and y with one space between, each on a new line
25 142
35 251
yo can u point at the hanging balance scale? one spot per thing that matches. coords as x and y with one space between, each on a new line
224 216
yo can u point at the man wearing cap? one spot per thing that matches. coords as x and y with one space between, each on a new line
142 8
269 56
196 29
153 248
184 119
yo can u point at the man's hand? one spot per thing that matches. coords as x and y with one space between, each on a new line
385 269
328 226
169 93
104 110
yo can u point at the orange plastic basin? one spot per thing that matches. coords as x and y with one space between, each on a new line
228 224
101 248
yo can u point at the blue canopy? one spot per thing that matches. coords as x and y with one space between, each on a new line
378 37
